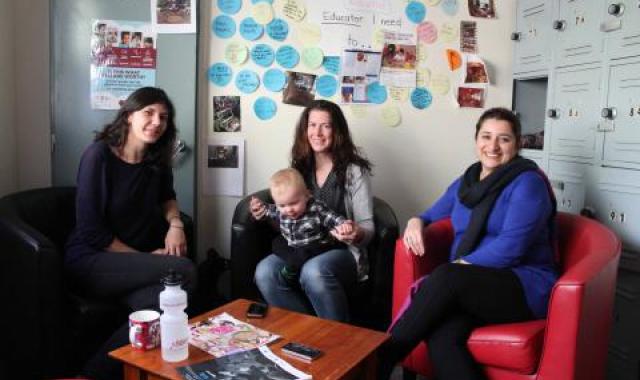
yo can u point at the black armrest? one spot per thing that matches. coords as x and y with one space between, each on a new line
187 222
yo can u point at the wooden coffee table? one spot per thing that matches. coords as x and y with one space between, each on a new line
349 351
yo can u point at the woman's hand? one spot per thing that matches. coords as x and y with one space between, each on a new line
258 208
413 236
348 232
175 243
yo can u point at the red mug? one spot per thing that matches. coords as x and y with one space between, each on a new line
144 329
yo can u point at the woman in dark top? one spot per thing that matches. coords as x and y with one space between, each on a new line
128 230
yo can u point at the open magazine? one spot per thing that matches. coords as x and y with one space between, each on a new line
256 364
223 335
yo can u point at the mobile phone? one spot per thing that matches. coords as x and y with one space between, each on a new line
257 310
301 351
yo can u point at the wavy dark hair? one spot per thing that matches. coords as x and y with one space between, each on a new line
115 133
343 149
503 114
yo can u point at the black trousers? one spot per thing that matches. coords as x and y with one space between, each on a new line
132 279
447 306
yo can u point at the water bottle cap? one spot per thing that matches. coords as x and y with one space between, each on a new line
172 278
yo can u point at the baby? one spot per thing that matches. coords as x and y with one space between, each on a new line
305 223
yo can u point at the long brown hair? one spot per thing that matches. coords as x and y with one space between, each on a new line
115 133
343 150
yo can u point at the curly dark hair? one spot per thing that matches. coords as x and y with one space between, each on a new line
115 133
343 149
503 114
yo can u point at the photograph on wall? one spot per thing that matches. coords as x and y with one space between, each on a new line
224 174
222 156
300 90
226 114
123 59
471 97
482 8
174 16
468 37
398 68
359 68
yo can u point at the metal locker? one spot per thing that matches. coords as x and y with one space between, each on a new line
573 118
621 115
577 38
621 28
568 184
532 35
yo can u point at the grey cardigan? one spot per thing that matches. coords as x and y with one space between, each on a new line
358 203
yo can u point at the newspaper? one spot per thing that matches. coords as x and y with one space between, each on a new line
222 335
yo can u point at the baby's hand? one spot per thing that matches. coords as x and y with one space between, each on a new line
258 208
345 228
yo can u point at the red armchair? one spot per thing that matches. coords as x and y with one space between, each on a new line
570 344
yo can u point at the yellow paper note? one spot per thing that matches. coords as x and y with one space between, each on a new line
262 12
236 53
312 57
294 9
391 116
449 32
308 34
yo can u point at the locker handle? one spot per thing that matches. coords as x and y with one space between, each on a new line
553 113
556 184
515 36
559 25
616 9
609 113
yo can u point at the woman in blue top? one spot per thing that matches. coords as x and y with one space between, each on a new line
501 266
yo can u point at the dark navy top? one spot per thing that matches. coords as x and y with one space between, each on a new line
118 199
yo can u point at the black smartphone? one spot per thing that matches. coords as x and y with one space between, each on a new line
301 351
257 310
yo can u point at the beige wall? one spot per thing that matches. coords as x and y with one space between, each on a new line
8 155
414 162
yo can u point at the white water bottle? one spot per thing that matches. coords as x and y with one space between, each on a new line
174 325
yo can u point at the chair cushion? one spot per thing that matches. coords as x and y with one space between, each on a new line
515 346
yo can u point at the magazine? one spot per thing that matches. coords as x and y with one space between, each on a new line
223 335
256 364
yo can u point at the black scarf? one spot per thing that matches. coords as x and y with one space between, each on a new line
481 195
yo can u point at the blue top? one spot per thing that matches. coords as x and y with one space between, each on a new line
118 199
517 234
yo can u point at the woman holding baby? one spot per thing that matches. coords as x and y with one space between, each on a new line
338 175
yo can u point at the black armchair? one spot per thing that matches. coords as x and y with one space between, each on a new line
370 303
49 330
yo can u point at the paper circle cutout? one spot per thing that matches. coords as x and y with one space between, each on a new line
265 108
250 29
376 93
312 57
220 74
391 116
278 29
247 81
294 9
307 34
421 98
236 53
287 56
223 26
262 13
427 32
230 6
262 55
431 3
415 11
274 80
331 64
449 32
326 86
261 1
450 7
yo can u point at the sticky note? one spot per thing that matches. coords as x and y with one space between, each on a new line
376 93
331 64
250 29
307 34
287 56
450 7
390 116
236 53
294 9
274 80
326 86
261 1
278 29
265 108
220 74
421 98
449 32
223 26
312 57
230 6
439 84
399 94
247 81
262 13
262 55
415 11
427 32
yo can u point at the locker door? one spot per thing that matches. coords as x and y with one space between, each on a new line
622 144
568 184
578 38
531 50
622 28
574 116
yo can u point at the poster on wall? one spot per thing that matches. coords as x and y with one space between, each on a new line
123 59
225 167
359 69
399 60
174 16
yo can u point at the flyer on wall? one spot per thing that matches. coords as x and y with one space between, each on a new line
174 16
359 68
123 59
399 59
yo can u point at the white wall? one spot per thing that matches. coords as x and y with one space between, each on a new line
8 154
414 162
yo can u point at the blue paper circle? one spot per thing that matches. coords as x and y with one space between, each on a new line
223 26
247 81
287 56
278 29
376 93
421 98
230 6
220 74
261 1
262 55
265 108
416 12
274 80
326 86
450 7
250 29
332 64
